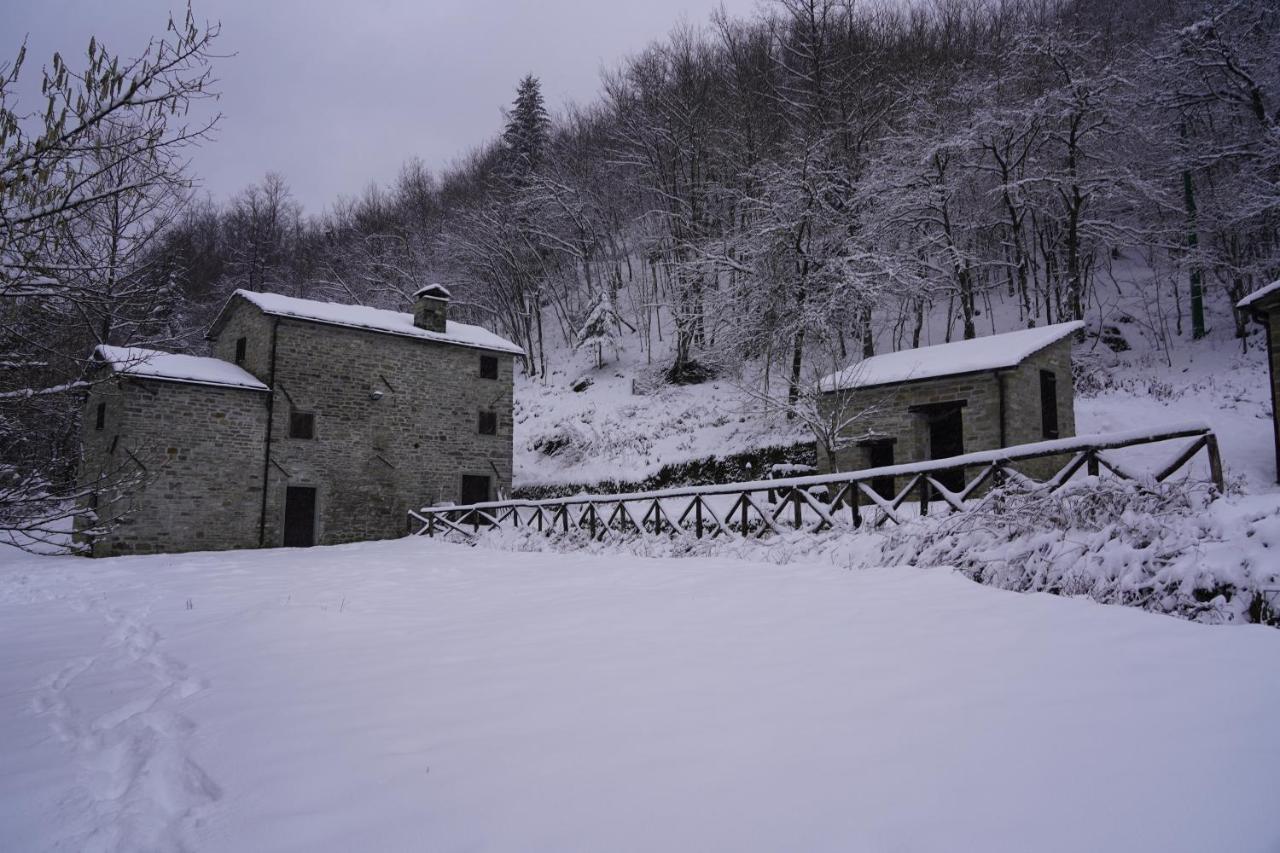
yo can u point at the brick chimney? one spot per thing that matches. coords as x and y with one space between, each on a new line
430 307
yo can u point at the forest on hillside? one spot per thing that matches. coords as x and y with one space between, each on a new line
804 185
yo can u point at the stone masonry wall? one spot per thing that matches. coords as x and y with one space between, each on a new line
889 415
371 460
1022 388
251 324
1271 307
1274 325
199 451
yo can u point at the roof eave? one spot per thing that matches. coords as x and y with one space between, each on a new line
178 380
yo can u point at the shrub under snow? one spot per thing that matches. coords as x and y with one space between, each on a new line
1163 548
1167 548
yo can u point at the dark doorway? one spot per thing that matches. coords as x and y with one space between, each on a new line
946 438
880 455
299 517
475 489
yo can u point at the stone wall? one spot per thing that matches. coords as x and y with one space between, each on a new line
396 422
885 412
245 321
197 450
1271 307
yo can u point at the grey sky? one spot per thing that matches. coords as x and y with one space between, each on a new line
334 95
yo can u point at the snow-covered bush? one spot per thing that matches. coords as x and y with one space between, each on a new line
1158 547
1167 548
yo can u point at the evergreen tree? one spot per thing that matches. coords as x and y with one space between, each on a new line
525 137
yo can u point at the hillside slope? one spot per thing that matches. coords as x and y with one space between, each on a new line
626 425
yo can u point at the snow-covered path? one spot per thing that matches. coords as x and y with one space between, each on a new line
415 695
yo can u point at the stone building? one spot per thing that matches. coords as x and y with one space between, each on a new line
945 400
312 423
1264 306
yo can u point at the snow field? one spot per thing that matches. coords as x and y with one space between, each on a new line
419 695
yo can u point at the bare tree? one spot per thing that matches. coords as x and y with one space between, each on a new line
87 181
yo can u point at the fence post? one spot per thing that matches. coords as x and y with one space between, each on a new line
924 495
1091 462
745 528
1215 462
697 514
855 499
592 508
431 524
796 519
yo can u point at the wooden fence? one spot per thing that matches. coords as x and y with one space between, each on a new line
821 502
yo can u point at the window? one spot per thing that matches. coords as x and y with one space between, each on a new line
488 367
241 345
475 489
302 425
488 423
1049 403
101 418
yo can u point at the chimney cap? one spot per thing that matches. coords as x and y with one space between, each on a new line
432 291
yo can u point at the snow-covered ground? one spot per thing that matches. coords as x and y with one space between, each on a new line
415 695
1212 382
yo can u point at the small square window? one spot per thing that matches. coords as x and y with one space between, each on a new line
488 367
242 344
302 425
488 423
101 419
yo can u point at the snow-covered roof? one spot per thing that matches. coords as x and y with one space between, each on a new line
437 291
994 352
370 319
1272 289
173 367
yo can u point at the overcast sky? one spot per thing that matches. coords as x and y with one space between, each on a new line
334 95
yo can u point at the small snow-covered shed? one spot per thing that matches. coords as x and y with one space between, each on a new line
1264 306
944 400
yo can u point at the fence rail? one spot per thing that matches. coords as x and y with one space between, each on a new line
819 502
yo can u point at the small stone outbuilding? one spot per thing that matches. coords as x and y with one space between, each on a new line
939 401
1264 306
312 423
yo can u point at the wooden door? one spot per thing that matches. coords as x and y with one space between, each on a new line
299 517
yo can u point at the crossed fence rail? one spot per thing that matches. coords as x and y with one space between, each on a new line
819 502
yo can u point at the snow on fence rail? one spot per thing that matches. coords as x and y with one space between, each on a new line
818 502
